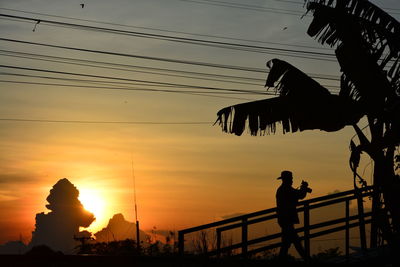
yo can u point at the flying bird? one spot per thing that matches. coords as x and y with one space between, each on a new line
82 5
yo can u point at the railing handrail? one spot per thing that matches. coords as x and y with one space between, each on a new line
277 235
270 210
243 221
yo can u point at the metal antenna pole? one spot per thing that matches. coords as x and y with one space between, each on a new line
136 215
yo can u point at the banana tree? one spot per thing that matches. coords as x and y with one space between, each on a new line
367 46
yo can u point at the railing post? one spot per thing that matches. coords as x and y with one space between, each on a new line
244 237
181 243
219 237
347 246
307 229
360 206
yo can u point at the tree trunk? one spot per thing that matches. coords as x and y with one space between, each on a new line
385 201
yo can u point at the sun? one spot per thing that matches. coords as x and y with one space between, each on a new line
92 201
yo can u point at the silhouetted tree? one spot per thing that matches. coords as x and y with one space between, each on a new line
85 239
367 46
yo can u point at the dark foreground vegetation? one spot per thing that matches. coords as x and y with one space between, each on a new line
166 261
125 253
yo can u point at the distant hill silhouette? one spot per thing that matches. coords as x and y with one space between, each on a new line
119 229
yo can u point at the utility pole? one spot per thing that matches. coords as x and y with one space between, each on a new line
136 215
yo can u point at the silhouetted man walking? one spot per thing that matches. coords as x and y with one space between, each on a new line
286 201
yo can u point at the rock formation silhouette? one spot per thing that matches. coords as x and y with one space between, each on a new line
57 228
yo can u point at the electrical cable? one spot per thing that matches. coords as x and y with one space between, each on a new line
129 66
66 61
125 79
196 93
179 61
239 46
110 122
266 9
135 84
164 30
247 7
138 71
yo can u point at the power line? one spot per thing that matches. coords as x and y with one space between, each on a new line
132 70
252 6
125 83
164 30
266 9
197 63
247 69
237 46
247 7
220 44
179 61
86 80
289 54
129 88
125 79
216 94
109 122
117 88
195 93
391 8
66 60
302 3
136 81
288 1
129 66
145 82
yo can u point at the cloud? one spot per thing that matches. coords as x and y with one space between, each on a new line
6 195
57 228
119 229
16 178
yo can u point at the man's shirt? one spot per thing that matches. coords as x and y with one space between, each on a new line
286 201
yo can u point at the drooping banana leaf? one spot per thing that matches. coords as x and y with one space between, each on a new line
377 27
367 39
302 104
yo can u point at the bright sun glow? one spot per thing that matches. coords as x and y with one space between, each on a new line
93 202
96 199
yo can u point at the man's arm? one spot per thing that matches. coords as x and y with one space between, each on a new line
301 193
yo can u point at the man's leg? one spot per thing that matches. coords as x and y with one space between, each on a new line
297 243
285 243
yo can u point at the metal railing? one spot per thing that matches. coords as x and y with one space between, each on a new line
331 226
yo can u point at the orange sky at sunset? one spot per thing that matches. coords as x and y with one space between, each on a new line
188 172
182 179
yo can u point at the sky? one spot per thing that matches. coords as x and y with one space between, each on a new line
185 170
